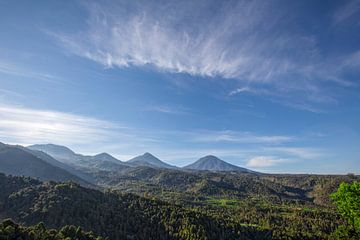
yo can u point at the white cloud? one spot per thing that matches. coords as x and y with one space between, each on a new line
168 109
25 126
240 90
264 161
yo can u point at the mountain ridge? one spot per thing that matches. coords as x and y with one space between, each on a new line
102 161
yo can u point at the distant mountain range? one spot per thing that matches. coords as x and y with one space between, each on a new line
59 163
214 164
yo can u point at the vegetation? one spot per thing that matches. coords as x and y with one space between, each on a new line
347 200
10 230
112 214
172 204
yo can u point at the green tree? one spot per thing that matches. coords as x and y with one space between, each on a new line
347 200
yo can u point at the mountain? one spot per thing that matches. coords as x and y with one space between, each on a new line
47 158
102 161
149 160
214 164
58 152
15 160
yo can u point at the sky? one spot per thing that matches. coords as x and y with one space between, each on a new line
268 85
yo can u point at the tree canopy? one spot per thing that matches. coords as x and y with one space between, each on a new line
347 200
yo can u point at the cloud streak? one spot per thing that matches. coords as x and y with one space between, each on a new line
14 70
264 162
166 109
238 137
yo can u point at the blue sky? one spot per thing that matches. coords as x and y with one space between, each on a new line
272 86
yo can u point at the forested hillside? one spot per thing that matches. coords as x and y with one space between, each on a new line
112 214
117 215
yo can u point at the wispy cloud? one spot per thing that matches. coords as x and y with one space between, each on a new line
238 137
240 90
298 152
15 70
243 40
168 109
352 61
6 92
264 161
176 37
348 9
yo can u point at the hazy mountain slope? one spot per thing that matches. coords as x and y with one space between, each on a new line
47 158
212 163
58 152
16 161
103 161
149 160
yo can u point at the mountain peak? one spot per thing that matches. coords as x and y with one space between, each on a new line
148 154
210 157
149 160
213 163
106 157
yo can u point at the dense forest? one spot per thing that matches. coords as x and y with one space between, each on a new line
116 215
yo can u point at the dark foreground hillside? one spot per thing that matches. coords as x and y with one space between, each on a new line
254 207
111 214
10 230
